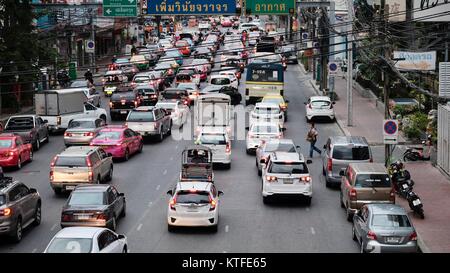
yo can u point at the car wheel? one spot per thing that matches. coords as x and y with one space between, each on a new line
31 156
113 224
327 184
19 163
340 200
57 191
362 250
123 213
169 131
17 236
99 180
127 155
103 117
323 171
161 135
47 138
248 151
170 228
308 201
214 228
125 249
227 166
37 144
37 215
353 233
110 174
141 146
266 200
349 215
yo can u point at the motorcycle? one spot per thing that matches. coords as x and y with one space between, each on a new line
63 78
419 153
415 203
401 178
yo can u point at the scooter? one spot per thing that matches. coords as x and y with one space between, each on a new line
401 178
418 153
415 204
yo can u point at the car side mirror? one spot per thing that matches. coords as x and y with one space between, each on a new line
32 190
333 102
309 161
283 129
298 147
220 193
120 236
342 172
169 192
305 103
286 101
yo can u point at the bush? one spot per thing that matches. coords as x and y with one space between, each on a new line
417 124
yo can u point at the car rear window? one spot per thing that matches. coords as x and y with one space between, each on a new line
266 110
288 168
70 245
81 124
220 81
2 200
141 79
83 198
5 143
216 139
372 181
183 77
351 153
70 161
20 123
192 197
109 135
173 95
271 147
146 116
390 220
320 104
265 129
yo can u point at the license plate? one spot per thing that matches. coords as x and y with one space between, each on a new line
83 217
416 202
392 239
123 112
145 97
288 181
405 186
70 188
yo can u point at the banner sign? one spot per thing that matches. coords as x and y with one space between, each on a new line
431 10
270 6
416 60
192 7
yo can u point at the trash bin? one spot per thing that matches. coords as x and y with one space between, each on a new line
73 70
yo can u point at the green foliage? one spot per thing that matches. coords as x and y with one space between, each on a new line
417 124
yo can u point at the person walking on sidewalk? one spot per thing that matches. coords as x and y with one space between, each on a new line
312 138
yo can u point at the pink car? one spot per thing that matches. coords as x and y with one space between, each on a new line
118 140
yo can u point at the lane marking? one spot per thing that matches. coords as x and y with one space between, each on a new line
226 228
157 187
307 209
224 251
171 158
165 172
313 231
150 204
139 227
34 250
176 146
53 227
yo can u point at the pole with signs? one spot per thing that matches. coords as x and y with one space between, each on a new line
120 8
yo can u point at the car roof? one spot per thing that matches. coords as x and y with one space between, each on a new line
267 105
98 187
345 140
79 232
386 209
286 156
320 98
201 186
368 168
213 130
78 150
144 108
23 116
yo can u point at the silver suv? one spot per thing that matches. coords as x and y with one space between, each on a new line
339 151
80 165
20 207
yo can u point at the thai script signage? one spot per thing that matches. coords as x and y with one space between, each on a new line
192 7
431 10
416 60
270 6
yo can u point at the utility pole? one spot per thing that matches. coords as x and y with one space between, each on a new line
385 79
350 65
93 39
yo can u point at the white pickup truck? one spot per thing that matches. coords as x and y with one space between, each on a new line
59 107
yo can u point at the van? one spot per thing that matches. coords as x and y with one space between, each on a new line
339 151
365 183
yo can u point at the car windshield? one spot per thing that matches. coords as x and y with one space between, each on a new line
70 245
273 100
220 81
70 161
288 168
169 106
82 124
265 129
320 104
83 198
390 220
78 84
372 181
5 143
280 147
141 79
109 135
192 197
22 123
169 95
2 200
143 116
351 153
266 110
212 139
183 77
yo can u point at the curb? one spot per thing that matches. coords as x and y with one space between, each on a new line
422 247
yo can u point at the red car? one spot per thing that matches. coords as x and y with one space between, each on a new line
118 140
13 152
183 47
227 23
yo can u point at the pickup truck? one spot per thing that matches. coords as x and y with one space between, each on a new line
32 128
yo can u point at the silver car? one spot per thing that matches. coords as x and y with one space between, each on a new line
384 228
273 145
82 131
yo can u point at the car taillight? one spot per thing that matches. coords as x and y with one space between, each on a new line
66 217
52 164
67 134
330 164
89 134
212 203
271 178
51 176
91 176
102 216
228 148
111 104
135 103
88 162
5 212
371 235
413 236
172 203
58 120
352 194
306 179
185 102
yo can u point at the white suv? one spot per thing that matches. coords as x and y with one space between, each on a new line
193 204
286 174
261 131
217 139
267 112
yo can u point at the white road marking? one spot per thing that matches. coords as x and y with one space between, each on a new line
176 146
227 228
313 231
150 204
165 171
139 227
307 209
34 250
53 227
224 251
157 187
171 158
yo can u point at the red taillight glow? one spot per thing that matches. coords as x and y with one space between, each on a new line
306 179
91 176
135 103
6 212
66 217
330 164
52 164
271 178
51 176
228 148
172 203
371 235
352 194
90 134
67 134
102 216
413 236
88 162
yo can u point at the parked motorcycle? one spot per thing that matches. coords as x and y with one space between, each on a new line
415 203
63 78
401 178
419 153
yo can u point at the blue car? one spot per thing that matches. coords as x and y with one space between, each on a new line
175 54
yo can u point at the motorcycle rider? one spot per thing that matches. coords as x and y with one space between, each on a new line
88 76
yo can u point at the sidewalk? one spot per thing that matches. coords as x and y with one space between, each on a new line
431 185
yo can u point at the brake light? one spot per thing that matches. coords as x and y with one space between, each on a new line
172 203
89 134
91 176
111 104
330 164
6 212
413 236
306 179
135 103
88 162
228 148
51 176
67 134
213 204
371 235
271 178
52 164
352 194
66 217
102 216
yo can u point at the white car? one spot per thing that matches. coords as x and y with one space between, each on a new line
253 38
319 107
286 174
267 112
231 74
204 25
92 95
217 139
87 240
179 112
223 80
193 204
261 131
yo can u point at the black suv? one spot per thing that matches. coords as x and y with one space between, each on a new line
123 100
20 207
148 94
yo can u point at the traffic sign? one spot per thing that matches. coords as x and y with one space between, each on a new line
305 35
120 8
192 7
332 68
89 46
390 131
270 6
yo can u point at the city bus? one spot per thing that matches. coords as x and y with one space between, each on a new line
263 79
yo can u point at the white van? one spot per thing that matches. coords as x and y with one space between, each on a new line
218 140
212 110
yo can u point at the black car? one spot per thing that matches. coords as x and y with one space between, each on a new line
123 100
179 94
236 63
234 94
129 70
93 205
148 94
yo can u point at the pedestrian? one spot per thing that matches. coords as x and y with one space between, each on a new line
312 138
88 76
133 50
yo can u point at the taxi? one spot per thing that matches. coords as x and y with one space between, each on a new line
278 99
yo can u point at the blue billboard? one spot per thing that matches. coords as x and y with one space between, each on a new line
192 7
